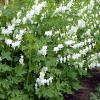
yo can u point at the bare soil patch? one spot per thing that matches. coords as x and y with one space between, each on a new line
89 85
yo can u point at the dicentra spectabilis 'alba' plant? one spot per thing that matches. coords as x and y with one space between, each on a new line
61 36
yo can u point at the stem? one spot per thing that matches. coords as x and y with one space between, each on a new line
28 76
12 56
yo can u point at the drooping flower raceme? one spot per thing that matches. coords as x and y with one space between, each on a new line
8 42
41 80
43 51
16 44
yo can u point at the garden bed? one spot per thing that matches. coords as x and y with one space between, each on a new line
89 85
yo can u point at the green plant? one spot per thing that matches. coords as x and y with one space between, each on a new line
46 47
96 95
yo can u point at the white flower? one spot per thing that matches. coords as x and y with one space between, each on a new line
18 36
89 40
19 14
11 27
47 81
60 46
24 20
0 59
56 49
62 35
43 51
16 21
98 64
90 46
8 42
70 42
84 52
16 44
42 74
29 15
61 59
76 56
72 30
41 80
5 31
81 51
36 86
86 49
36 1
88 32
69 4
44 69
48 33
64 59
81 23
68 57
50 79
22 32
21 60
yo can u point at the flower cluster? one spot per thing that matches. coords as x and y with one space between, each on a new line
43 51
41 80
48 33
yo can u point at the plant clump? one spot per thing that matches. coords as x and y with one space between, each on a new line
46 47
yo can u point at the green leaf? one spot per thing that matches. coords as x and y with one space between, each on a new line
82 71
76 85
2 37
4 68
6 55
19 70
28 87
30 37
2 96
72 74
5 84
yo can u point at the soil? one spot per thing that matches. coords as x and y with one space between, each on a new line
89 85
2 2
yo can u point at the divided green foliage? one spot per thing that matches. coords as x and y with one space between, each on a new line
46 47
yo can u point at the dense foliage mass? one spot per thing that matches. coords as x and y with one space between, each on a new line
46 47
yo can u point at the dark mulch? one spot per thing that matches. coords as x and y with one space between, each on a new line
89 85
